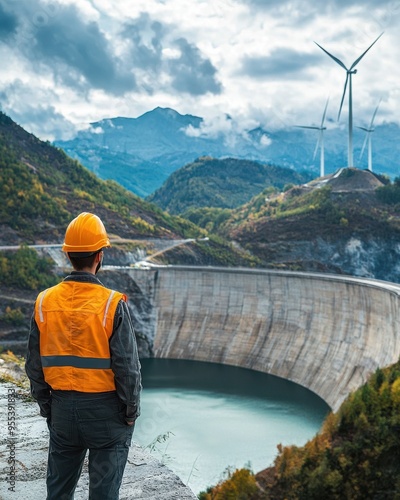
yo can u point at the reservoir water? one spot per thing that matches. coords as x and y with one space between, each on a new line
199 418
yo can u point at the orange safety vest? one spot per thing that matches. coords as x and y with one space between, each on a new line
75 321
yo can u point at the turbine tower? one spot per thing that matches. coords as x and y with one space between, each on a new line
320 141
368 138
349 73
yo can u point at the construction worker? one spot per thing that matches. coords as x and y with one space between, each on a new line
84 370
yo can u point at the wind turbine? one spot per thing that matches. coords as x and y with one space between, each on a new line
349 73
320 141
369 131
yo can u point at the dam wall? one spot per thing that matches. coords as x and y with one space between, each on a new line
326 333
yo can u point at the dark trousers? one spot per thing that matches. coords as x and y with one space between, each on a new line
81 422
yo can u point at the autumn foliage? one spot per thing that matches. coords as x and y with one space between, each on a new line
356 455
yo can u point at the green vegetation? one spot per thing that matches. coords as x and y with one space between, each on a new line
24 269
24 197
220 252
356 456
43 189
390 193
13 316
210 251
296 202
208 218
227 183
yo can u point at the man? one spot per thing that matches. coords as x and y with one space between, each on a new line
84 370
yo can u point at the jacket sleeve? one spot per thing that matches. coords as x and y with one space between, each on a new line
40 389
125 362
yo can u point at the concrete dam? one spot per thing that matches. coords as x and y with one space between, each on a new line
327 333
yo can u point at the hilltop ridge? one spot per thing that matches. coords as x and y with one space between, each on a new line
347 222
140 153
222 183
42 189
349 180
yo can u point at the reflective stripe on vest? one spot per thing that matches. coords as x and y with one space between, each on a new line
108 307
75 361
40 306
75 321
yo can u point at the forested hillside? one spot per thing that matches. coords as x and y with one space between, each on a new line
227 183
346 223
42 189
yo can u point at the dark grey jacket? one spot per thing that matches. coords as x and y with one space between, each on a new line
124 359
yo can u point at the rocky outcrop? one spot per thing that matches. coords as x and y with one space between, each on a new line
356 255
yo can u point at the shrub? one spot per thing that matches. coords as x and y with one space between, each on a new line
13 316
238 485
26 270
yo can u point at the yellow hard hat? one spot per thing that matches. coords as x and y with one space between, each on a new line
86 233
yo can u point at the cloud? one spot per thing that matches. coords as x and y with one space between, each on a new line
211 127
70 43
307 6
75 50
96 130
281 63
253 59
145 37
34 112
221 127
265 141
191 72
8 23
154 51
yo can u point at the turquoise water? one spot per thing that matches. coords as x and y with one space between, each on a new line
204 417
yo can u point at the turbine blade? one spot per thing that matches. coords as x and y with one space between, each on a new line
365 143
344 93
366 129
333 57
317 145
373 116
323 116
305 126
363 54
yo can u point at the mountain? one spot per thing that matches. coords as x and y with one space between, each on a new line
226 183
347 222
42 189
140 153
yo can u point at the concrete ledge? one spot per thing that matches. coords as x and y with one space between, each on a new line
145 477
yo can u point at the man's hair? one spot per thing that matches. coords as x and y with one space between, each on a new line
83 261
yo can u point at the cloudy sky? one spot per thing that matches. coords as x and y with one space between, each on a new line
67 63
